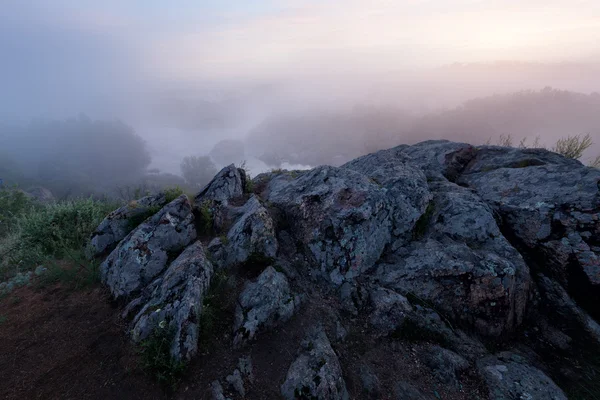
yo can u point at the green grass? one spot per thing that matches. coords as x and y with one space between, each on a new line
422 224
157 360
173 193
215 307
45 234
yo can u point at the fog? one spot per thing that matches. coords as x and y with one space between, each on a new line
121 92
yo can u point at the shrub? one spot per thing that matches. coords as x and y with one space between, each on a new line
54 231
573 146
157 359
13 205
173 193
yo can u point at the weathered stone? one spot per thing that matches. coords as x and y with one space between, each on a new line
389 310
263 304
252 235
550 206
316 373
227 185
406 391
175 304
145 253
508 378
445 364
370 383
120 222
236 382
462 265
341 217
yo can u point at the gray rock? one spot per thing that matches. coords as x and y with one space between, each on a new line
441 159
548 203
144 254
246 368
120 222
509 379
463 265
404 183
176 302
217 391
389 310
445 364
236 382
570 315
370 382
341 217
252 235
227 185
263 304
316 373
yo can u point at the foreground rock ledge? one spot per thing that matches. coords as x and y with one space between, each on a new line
441 243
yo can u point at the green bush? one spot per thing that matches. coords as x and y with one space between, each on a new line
157 359
14 204
50 232
173 193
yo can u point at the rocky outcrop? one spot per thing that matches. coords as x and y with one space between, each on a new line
432 249
507 377
263 304
251 236
340 216
460 262
123 220
174 302
227 185
316 373
145 253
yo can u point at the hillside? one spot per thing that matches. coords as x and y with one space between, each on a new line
437 270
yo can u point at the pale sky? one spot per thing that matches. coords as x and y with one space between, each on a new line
192 38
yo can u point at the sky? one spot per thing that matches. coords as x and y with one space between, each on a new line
94 52
194 39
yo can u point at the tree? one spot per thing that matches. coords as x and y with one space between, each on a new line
198 170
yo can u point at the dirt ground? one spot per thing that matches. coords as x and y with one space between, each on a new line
57 343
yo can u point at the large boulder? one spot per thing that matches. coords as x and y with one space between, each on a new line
174 302
509 377
461 263
340 216
550 207
227 185
405 185
252 235
146 252
123 220
316 373
263 304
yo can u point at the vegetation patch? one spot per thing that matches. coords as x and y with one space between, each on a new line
137 219
215 307
157 359
422 224
173 193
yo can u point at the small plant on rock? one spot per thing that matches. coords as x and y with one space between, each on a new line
157 359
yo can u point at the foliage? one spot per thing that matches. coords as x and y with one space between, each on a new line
505 140
595 163
198 170
205 217
14 204
53 231
215 305
157 359
573 146
173 193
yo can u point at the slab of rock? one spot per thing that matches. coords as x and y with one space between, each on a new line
227 185
263 304
175 304
390 309
144 254
461 264
508 378
120 222
444 363
252 235
316 373
550 206
404 183
342 218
